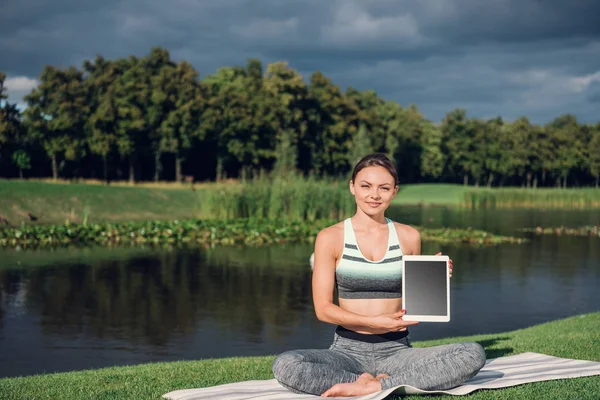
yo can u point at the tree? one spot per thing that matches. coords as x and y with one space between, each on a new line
458 143
566 140
520 154
182 123
329 133
361 145
594 154
228 122
10 119
159 95
129 96
56 113
22 161
367 105
404 142
285 94
432 157
101 127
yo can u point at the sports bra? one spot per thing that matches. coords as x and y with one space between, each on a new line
359 278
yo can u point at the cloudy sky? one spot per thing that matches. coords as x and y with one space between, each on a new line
539 58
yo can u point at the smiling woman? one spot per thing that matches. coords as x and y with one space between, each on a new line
361 257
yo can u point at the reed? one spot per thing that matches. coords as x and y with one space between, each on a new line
275 197
532 198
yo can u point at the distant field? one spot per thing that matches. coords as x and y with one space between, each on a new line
53 203
446 194
56 202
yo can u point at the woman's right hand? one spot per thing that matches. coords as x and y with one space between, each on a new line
383 323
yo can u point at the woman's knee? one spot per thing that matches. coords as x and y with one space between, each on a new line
286 362
474 355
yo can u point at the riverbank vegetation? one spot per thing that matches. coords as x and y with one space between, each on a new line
287 196
574 337
240 231
588 230
538 198
150 118
41 203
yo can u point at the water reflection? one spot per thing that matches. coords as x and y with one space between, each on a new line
72 310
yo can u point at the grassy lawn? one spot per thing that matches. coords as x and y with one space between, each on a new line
445 194
575 337
54 203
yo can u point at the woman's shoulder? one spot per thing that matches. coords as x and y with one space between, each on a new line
407 233
332 236
332 231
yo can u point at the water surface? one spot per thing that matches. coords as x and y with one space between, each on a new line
77 309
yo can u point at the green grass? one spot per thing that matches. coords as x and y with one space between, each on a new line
575 337
532 198
300 198
291 196
445 194
55 203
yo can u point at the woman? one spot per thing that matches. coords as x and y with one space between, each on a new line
371 351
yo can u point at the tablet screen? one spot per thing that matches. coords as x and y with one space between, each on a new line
426 287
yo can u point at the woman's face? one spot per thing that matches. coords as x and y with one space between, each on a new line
374 188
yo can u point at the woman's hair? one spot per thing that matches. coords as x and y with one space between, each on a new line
376 159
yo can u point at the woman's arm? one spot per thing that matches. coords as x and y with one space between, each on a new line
323 282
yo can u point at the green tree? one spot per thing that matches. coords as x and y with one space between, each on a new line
520 153
404 142
361 145
182 123
22 160
594 154
57 112
11 128
130 97
286 96
565 135
228 122
159 95
329 132
432 157
458 143
367 105
101 127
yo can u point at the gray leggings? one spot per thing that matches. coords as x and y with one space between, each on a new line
351 354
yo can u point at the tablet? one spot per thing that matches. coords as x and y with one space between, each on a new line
426 288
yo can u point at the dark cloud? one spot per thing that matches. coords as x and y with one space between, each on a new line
493 57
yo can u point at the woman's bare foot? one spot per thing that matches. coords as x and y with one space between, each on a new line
365 384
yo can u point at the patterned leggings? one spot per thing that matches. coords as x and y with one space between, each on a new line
351 354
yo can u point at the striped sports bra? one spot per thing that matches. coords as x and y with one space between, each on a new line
359 278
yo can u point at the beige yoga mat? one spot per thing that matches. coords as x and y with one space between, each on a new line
497 373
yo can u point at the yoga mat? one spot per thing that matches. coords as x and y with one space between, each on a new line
497 373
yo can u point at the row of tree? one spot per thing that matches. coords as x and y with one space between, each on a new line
151 118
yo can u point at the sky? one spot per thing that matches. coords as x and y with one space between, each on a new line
508 58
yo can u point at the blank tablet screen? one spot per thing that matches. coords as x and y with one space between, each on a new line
426 287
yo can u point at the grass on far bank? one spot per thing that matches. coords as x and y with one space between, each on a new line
55 203
308 198
575 337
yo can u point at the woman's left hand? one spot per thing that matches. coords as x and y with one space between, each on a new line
449 264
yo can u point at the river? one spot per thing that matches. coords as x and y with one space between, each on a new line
68 310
